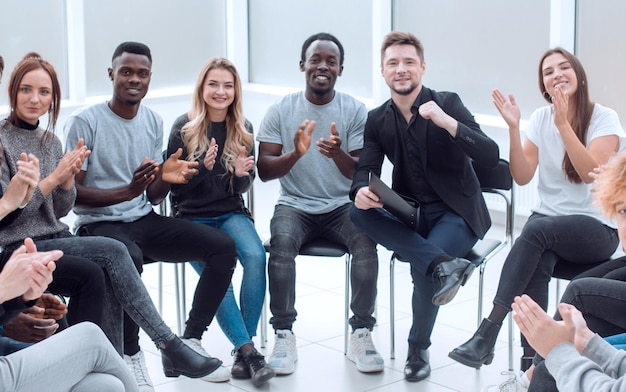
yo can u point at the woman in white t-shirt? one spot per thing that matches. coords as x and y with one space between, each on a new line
564 142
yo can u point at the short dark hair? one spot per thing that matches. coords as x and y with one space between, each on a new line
1 65
133 48
322 37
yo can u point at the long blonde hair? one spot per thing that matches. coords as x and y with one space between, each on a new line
195 133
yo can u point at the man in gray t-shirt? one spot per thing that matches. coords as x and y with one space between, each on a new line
314 202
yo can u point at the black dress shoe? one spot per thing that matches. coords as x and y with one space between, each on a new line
449 276
240 367
479 349
417 366
178 358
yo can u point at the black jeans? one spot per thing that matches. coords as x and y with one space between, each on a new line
160 238
544 241
291 228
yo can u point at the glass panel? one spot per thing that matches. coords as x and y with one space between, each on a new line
278 29
600 34
23 31
472 47
181 35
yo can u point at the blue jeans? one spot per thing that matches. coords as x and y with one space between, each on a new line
290 228
239 325
618 341
125 290
79 358
9 345
440 231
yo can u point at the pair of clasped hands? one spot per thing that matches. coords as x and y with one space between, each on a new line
27 274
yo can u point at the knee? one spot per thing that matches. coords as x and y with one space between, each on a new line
574 288
119 251
89 333
284 244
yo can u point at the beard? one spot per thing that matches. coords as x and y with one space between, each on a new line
404 90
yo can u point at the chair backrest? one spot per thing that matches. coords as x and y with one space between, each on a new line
498 177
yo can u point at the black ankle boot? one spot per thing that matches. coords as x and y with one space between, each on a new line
259 369
479 349
178 358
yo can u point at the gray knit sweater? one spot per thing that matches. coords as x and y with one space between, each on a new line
41 216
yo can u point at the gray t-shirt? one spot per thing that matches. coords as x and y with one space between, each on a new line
314 184
118 146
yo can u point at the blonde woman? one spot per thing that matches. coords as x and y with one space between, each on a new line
216 134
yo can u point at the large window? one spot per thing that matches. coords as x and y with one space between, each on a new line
600 40
472 47
23 30
278 28
182 35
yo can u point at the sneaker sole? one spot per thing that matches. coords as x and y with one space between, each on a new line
364 368
283 370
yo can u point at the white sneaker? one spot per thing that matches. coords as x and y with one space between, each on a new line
221 374
518 382
361 351
137 366
285 354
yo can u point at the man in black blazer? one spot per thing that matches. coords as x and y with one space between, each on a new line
431 140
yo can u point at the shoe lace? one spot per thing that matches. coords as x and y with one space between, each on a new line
363 344
256 361
509 385
138 369
282 344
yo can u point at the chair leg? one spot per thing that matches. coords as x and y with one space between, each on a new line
346 306
177 290
392 327
183 297
510 317
263 322
161 289
481 276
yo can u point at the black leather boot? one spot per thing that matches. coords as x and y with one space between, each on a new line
178 358
479 349
417 365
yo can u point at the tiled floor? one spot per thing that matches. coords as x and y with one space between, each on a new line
322 365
